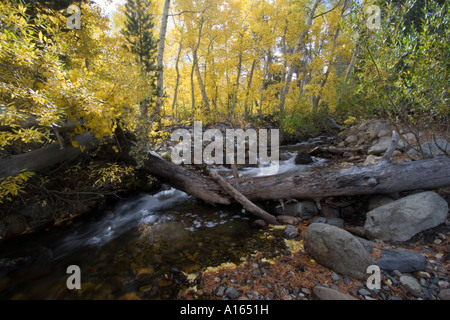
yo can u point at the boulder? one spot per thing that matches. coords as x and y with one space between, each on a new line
351 140
303 158
432 148
404 218
288 220
324 293
375 127
38 217
291 232
304 210
337 249
15 225
401 260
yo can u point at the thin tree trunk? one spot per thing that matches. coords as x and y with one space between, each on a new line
195 68
161 45
177 81
316 99
249 85
297 48
236 90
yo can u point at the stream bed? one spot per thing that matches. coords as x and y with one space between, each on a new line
148 245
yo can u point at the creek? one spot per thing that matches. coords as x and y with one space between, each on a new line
147 245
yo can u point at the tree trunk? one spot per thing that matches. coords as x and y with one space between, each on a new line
161 45
249 85
236 90
177 82
384 178
46 157
298 46
316 99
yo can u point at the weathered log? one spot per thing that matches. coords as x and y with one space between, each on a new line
384 178
247 204
46 157
182 179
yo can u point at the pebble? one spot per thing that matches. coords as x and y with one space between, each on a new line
426 293
423 282
220 290
411 284
443 284
335 276
363 292
444 294
397 273
231 293
305 291
423 274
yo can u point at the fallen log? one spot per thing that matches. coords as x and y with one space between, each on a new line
383 178
46 157
185 180
247 204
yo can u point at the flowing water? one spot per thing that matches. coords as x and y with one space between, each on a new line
146 246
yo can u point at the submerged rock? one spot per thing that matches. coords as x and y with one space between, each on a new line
303 158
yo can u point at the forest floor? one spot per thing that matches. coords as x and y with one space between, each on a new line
293 275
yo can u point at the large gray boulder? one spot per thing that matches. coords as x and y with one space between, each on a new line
404 218
337 249
382 144
432 148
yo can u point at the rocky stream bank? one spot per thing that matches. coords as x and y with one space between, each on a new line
331 244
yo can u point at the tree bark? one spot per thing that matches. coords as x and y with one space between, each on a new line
298 46
384 178
247 204
45 157
161 46
177 81
196 68
249 85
